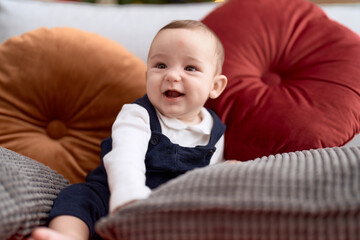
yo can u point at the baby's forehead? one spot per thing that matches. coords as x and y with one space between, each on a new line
196 31
197 35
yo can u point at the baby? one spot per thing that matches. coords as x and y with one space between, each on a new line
156 138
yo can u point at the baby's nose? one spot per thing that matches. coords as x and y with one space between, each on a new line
173 75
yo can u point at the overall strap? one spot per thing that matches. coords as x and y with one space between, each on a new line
217 130
154 121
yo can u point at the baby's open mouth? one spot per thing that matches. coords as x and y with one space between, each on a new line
173 94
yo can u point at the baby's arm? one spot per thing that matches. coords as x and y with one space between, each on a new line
63 228
125 164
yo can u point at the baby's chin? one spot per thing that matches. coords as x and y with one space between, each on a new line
187 119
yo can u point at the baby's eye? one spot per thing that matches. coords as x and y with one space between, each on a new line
160 66
190 68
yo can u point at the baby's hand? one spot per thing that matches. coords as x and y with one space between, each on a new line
124 205
43 233
232 161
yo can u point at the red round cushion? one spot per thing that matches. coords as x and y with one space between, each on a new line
294 77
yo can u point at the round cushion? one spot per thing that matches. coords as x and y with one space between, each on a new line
60 91
294 77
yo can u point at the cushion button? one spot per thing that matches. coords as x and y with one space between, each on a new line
56 129
271 79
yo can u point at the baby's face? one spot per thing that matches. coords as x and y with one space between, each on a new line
180 72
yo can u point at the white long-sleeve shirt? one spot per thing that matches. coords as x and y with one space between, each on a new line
125 163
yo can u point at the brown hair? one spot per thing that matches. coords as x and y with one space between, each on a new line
193 24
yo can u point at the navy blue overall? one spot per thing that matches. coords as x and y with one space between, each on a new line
164 160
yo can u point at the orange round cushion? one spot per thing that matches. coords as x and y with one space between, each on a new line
294 77
60 91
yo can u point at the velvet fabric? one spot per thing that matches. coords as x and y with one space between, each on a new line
294 77
60 91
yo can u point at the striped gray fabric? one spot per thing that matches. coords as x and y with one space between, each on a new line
27 191
304 195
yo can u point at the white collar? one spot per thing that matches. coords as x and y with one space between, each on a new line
203 127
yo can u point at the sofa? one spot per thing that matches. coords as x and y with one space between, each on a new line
291 107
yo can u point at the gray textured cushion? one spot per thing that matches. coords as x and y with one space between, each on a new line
309 195
27 191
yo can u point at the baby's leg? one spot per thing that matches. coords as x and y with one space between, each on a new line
43 233
62 228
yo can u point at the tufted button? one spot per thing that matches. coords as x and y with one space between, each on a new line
56 129
154 140
271 78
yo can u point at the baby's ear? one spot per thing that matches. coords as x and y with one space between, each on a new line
218 87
